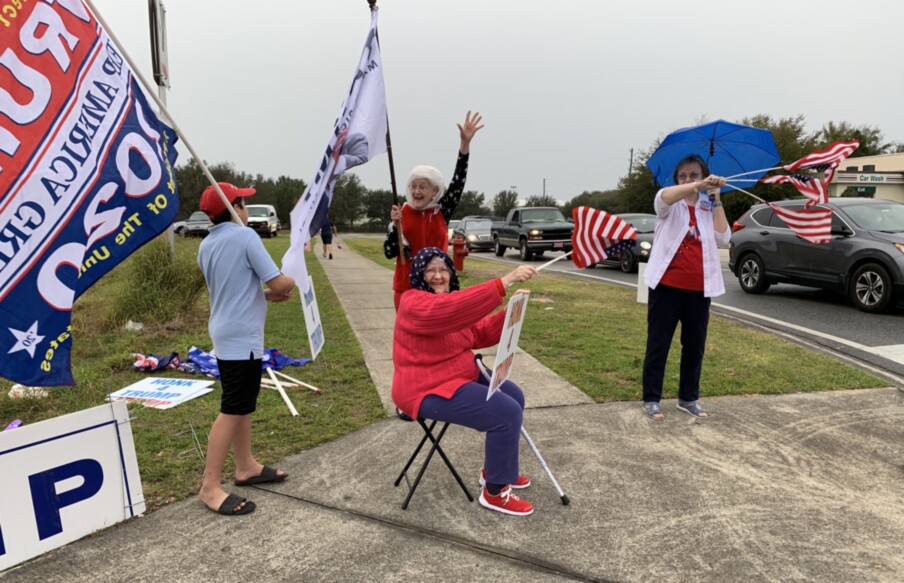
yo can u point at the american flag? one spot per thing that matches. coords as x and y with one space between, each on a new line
825 160
597 234
812 224
813 188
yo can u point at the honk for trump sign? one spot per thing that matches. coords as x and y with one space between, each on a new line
86 177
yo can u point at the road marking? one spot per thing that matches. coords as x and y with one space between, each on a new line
894 353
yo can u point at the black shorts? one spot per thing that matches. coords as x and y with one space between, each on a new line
241 380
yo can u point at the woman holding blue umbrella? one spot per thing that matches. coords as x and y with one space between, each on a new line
683 274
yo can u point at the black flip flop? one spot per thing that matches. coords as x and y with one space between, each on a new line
266 476
230 506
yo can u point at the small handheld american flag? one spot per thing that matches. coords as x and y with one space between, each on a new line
811 187
812 224
597 234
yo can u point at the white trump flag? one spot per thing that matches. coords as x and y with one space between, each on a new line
358 135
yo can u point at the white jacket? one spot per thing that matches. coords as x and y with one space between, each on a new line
670 230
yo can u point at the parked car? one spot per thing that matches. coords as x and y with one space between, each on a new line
197 225
475 230
452 225
628 259
179 227
262 218
532 230
865 257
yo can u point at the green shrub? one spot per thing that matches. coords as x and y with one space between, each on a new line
159 287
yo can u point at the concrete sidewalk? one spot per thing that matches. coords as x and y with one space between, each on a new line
802 487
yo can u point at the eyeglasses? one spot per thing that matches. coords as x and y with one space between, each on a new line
426 187
691 176
436 271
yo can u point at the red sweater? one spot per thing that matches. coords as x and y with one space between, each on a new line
421 229
433 338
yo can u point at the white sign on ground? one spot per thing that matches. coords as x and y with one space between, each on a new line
163 392
508 343
65 478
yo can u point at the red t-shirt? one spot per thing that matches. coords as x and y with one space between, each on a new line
686 269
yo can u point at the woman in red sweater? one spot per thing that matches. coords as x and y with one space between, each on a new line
436 376
424 218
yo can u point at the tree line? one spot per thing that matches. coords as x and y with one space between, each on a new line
357 207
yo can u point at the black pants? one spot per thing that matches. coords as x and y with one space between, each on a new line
667 306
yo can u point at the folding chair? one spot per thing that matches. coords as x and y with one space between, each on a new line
435 440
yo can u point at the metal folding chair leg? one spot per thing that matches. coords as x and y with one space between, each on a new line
435 448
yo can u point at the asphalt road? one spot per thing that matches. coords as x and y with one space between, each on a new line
822 319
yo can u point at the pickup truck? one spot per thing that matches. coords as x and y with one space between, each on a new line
532 230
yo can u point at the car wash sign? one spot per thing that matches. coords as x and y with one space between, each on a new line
86 177
65 478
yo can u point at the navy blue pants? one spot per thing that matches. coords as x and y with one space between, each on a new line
500 418
666 308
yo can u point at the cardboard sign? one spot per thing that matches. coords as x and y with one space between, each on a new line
312 319
65 478
163 393
508 344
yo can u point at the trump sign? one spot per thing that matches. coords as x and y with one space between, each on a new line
64 478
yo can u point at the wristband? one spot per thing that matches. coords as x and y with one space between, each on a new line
717 204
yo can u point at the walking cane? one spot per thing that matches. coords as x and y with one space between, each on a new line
530 442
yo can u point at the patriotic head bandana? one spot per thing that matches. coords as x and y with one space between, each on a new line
419 264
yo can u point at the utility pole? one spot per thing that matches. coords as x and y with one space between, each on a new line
544 188
631 163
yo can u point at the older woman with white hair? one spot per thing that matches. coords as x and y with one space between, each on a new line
424 217
435 376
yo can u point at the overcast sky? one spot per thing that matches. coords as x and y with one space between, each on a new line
566 87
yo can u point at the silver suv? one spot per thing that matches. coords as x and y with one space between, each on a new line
864 259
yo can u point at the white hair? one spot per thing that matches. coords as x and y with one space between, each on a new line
431 175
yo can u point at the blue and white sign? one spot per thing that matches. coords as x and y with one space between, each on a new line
65 478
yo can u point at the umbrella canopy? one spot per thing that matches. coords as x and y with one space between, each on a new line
728 149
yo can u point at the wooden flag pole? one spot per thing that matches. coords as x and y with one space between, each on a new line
282 393
392 177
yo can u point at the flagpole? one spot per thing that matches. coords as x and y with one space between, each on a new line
745 192
392 178
551 261
753 172
163 109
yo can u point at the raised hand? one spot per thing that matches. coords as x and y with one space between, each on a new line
467 130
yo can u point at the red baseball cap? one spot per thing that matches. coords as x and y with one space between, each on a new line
212 204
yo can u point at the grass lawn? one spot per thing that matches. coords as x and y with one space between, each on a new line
594 336
168 456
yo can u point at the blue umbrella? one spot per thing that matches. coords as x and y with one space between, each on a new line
728 148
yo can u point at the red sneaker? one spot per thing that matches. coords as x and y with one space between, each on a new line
521 482
506 502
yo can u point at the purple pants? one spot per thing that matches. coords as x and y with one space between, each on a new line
499 418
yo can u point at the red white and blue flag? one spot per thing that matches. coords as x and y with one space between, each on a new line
811 187
358 135
598 234
812 224
825 161
86 178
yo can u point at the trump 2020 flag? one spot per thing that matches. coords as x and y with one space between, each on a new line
86 178
358 135
597 234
